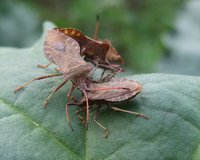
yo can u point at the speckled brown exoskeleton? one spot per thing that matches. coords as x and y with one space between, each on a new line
64 51
116 90
99 52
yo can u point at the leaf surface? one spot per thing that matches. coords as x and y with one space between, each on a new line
28 131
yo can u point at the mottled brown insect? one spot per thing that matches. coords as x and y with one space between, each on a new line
99 52
64 51
89 47
116 90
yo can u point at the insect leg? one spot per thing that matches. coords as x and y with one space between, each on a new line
93 70
54 91
38 78
70 91
111 75
99 124
67 113
131 112
78 113
69 96
97 65
104 66
102 74
58 70
87 108
44 66
79 116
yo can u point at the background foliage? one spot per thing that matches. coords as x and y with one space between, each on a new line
29 132
135 26
152 36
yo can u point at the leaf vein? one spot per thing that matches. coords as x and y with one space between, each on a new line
25 116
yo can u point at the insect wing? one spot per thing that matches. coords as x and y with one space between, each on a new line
54 44
63 44
97 94
134 87
72 67
115 90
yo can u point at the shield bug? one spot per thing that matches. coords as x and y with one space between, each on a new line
99 52
89 47
116 90
93 51
64 51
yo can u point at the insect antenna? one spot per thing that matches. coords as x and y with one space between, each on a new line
95 35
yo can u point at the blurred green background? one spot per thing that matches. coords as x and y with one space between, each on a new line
151 35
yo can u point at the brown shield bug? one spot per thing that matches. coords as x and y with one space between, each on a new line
64 51
89 47
116 90
99 52
93 51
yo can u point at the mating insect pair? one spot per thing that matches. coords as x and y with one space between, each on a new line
65 48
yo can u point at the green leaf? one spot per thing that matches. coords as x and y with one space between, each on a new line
27 131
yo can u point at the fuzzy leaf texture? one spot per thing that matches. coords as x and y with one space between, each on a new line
27 131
